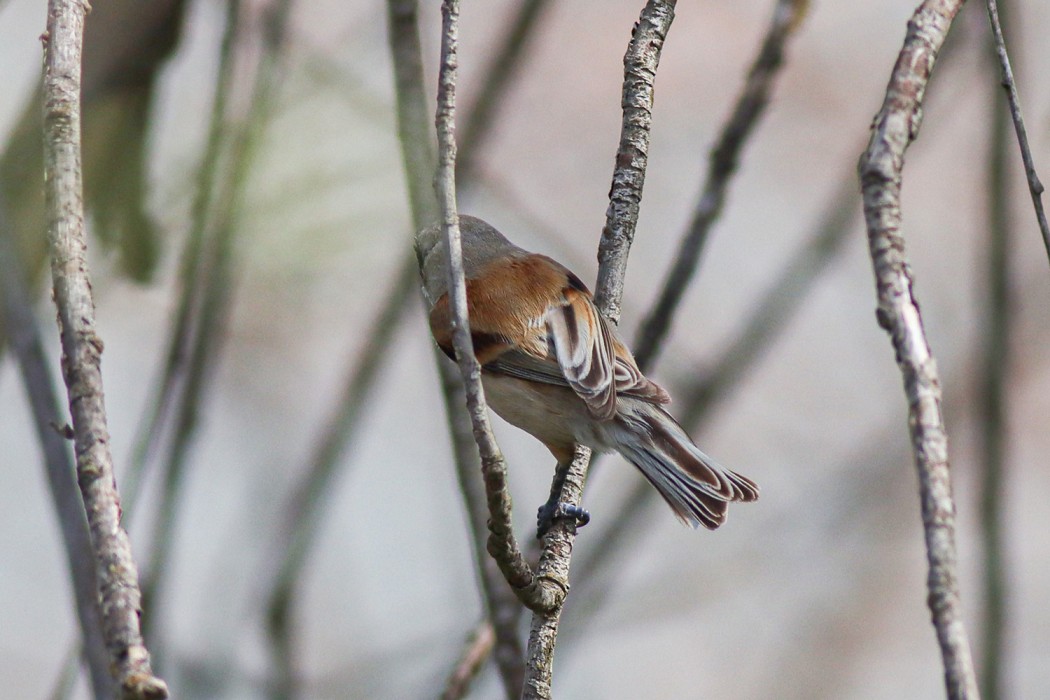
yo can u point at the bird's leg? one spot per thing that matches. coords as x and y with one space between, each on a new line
554 508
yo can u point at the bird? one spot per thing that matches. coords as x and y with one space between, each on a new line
553 366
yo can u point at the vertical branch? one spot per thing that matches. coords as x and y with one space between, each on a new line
553 570
417 152
1035 187
749 108
881 165
992 395
632 155
16 316
502 544
640 63
775 307
413 124
82 349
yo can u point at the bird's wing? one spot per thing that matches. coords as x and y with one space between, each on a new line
523 365
596 364
583 348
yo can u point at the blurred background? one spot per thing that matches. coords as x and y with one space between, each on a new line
289 256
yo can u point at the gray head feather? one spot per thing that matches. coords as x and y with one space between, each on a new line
482 244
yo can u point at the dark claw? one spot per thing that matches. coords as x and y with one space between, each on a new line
549 512
544 519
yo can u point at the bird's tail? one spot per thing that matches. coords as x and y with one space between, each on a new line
696 487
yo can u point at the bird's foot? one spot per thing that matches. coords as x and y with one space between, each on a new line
549 512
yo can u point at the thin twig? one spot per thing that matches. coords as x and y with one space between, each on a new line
1035 187
772 313
880 169
504 608
417 151
534 592
632 156
749 107
475 652
115 569
16 316
640 64
337 430
991 406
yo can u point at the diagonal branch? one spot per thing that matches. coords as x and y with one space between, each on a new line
115 569
1035 187
769 318
880 170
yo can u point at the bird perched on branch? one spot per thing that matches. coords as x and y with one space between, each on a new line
553 366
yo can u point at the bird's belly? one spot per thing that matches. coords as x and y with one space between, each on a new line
554 415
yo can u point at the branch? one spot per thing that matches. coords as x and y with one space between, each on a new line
533 592
632 155
992 409
417 150
640 63
749 107
477 650
16 316
413 124
881 165
115 568
1035 187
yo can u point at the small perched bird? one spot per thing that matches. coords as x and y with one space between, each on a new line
553 366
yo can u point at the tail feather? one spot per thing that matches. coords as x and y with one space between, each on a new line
696 487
